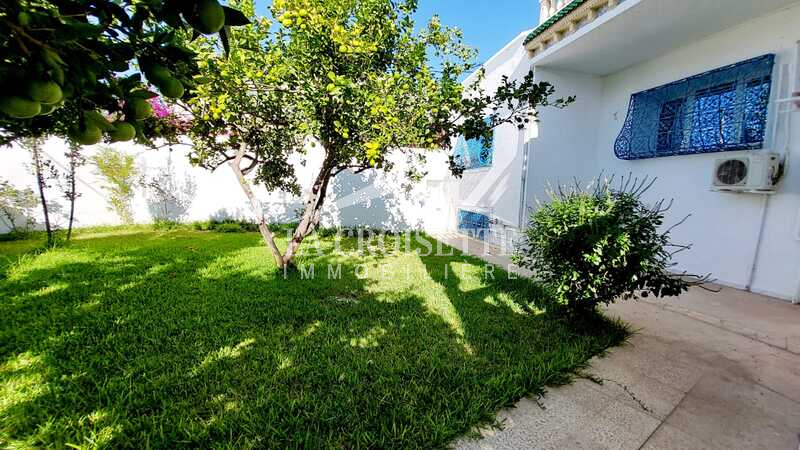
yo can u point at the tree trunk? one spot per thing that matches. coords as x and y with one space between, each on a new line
72 193
37 164
256 206
312 212
309 220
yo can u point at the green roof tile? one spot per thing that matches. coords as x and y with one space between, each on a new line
572 6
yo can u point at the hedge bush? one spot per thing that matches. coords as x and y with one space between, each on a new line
596 246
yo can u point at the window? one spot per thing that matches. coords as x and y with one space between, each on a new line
473 224
724 109
472 154
755 110
714 123
670 125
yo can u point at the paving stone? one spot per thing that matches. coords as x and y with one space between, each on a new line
669 437
735 413
793 344
715 371
659 398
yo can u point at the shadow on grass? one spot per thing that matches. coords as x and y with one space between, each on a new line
194 339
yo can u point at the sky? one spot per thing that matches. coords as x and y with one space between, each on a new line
488 25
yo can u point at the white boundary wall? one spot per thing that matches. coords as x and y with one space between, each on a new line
373 198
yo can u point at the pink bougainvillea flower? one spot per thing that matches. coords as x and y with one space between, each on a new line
160 109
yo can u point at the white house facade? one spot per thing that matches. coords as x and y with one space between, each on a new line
697 93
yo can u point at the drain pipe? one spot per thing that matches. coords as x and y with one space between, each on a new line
759 241
528 134
796 300
523 194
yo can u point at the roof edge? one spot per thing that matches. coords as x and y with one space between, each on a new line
555 18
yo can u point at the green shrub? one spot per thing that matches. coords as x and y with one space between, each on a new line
166 225
281 228
228 227
203 225
248 226
15 236
594 247
325 232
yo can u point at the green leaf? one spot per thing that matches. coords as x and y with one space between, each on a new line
223 36
234 17
99 120
143 94
52 58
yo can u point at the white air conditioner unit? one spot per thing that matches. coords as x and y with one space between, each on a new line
754 173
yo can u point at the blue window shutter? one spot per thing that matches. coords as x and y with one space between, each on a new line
472 154
721 110
473 223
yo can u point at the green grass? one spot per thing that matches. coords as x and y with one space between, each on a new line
138 338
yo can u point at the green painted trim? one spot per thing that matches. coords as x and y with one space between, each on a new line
554 19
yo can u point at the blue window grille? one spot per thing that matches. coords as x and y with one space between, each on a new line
721 110
472 154
473 224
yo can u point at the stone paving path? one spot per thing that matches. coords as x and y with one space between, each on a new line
705 371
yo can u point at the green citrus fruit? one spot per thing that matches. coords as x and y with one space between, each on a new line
157 74
210 17
123 131
90 135
172 88
24 19
20 108
141 109
47 109
45 92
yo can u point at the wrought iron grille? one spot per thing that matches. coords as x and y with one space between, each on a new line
473 224
721 110
471 154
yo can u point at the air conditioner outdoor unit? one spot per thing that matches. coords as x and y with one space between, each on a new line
755 173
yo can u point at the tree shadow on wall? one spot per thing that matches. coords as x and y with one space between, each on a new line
385 201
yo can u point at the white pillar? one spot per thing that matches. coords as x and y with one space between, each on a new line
544 10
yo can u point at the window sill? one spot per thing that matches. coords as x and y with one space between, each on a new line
477 170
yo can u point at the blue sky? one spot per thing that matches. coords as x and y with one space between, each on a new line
488 25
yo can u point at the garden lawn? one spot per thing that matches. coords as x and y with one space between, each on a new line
137 338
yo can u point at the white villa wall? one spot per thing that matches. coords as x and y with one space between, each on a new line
724 228
562 149
496 190
373 198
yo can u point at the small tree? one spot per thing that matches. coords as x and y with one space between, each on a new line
168 197
74 160
357 78
45 172
119 173
598 246
16 207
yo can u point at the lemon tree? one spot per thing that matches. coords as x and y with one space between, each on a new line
359 78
